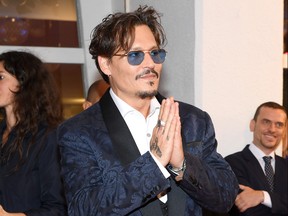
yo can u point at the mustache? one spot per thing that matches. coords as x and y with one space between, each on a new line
147 71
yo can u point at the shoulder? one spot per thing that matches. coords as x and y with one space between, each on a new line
188 109
82 127
193 117
281 160
88 117
240 156
192 114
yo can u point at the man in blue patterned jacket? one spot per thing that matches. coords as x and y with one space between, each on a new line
136 152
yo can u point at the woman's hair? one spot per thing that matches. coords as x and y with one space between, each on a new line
117 31
37 100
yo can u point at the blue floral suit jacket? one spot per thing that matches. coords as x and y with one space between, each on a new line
104 173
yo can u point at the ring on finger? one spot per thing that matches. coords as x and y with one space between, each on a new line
160 123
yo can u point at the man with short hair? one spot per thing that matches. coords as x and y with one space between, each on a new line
261 173
136 152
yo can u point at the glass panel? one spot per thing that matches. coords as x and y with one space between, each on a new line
49 23
286 30
69 81
46 23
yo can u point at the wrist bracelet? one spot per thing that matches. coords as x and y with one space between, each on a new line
181 169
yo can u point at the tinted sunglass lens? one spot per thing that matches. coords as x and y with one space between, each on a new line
158 56
135 57
162 54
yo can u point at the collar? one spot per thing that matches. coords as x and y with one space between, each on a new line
125 108
258 153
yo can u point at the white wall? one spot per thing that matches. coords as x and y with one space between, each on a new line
91 13
237 50
238 63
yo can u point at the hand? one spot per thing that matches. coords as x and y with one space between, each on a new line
248 198
166 138
177 157
4 213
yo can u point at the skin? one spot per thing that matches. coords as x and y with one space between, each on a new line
8 84
268 137
268 131
98 88
129 82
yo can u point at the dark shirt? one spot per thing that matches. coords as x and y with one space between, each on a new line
36 187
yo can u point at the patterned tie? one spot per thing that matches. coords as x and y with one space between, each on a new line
269 171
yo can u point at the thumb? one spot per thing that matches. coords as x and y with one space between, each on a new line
242 187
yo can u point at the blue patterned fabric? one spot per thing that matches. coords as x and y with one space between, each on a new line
35 188
104 173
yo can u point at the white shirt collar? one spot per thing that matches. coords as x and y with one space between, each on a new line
258 153
125 108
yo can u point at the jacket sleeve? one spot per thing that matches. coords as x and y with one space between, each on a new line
97 184
51 186
208 179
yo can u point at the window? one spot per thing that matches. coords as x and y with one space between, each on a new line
49 29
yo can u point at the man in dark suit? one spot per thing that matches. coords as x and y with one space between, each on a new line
263 192
136 152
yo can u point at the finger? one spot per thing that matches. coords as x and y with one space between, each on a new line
162 109
165 109
161 141
163 115
170 127
177 116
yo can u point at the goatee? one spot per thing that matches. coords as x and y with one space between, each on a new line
146 94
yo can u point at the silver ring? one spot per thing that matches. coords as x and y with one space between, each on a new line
160 123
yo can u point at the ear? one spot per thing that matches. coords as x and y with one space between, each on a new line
252 125
86 105
104 65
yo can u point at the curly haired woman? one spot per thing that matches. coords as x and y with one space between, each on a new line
30 107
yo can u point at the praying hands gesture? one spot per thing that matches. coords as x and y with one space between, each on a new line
166 142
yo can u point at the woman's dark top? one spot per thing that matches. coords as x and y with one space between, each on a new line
36 187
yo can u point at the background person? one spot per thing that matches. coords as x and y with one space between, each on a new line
135 152
95 92
30 107
256 197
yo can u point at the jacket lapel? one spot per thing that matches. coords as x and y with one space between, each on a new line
119 132
123 143
256 167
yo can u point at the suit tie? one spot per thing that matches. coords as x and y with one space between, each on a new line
269 171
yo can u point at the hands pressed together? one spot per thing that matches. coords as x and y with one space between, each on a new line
166 141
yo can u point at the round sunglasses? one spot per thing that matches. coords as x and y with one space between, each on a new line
136 57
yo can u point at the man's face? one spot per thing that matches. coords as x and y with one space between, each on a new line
135 81
269 128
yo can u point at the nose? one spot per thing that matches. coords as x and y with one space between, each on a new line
148 61
272 126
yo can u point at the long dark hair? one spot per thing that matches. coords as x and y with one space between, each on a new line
37 101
